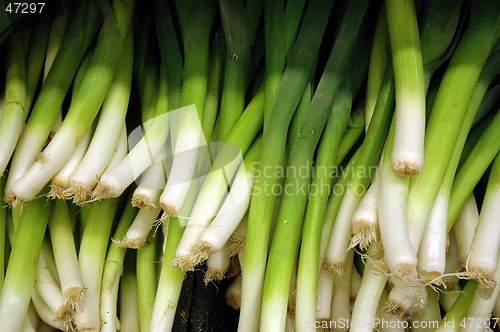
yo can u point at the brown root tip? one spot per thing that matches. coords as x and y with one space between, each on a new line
73 297
185 263
407 168
42 158
13 201
81 196
485 278
338 269
66 317
432 277
169 210
395 308
406 272
58 192
237 243
364 233
213 275
131 243
143 201
102 191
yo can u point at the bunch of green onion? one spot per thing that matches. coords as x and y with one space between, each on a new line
334 164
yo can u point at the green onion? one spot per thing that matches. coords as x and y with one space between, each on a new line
408 151
22 268
86 105
261 208
50 99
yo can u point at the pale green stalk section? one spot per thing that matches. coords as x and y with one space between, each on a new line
93 246
15 112
129 310
408 150
450 107
147 280
378 61
261 208
49 101
454 317
63 246
113 269
22 268
170 282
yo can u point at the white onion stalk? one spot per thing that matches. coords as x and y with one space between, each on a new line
398 252
233 293
483 259
338 246
60 182
326 280
147 193
479 313
432 249
137 233
112 276
355 283
223 226
207 206
290 323
365 219
341 302
151 143
453 265
188 141
368 297
46 314
217 264
107 133
237 239
50 292
121 148
464 229
63 245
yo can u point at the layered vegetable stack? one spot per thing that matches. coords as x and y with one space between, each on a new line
336 161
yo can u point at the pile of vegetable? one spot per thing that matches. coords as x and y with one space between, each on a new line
324 165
